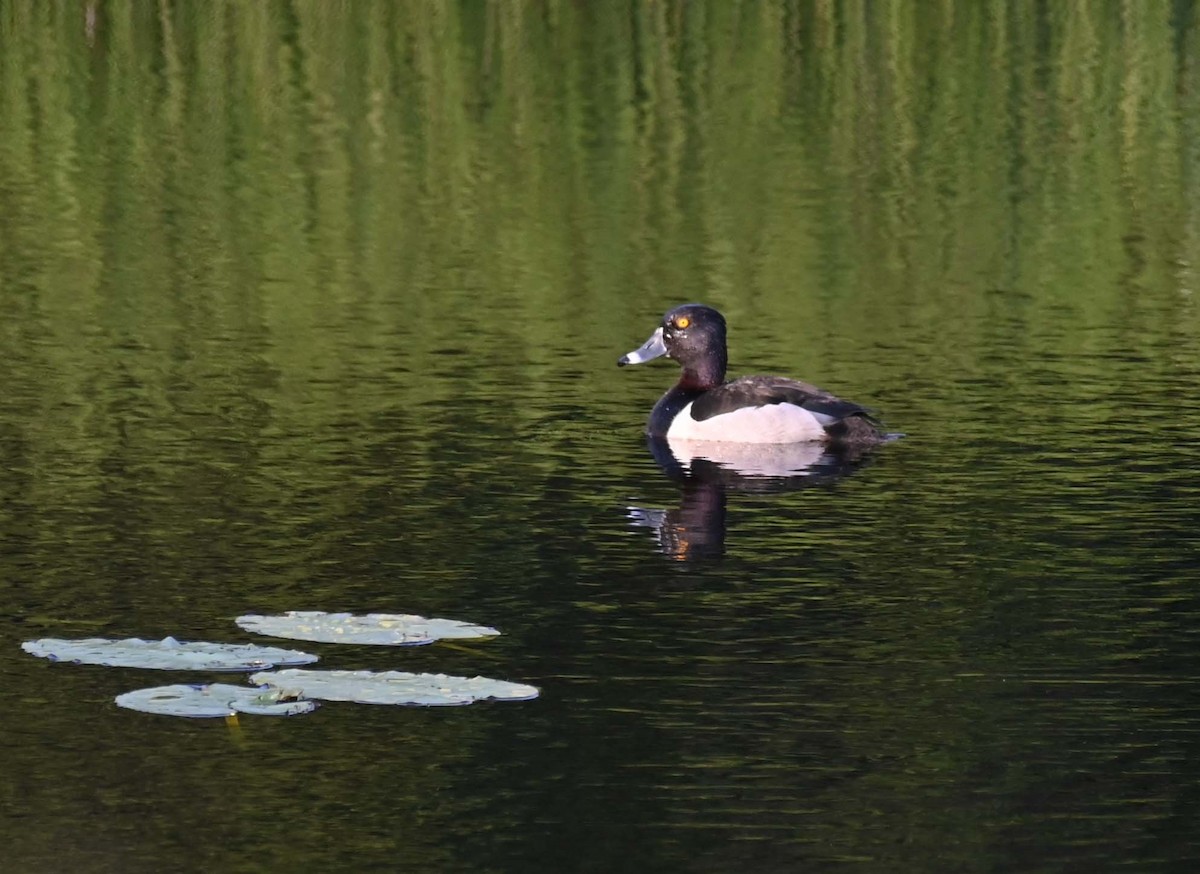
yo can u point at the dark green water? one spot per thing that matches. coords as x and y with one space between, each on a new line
316 305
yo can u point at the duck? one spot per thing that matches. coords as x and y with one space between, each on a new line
702 406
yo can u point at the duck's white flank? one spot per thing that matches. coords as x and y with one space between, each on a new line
753 459
773 423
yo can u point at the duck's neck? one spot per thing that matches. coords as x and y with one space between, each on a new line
695 381
703 375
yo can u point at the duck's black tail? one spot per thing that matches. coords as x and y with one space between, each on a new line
856 430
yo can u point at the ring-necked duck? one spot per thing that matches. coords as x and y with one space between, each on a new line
752 409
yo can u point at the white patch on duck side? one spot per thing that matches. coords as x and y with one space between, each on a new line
753 459
773 423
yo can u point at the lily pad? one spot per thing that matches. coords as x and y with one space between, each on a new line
213 700
374 629
393 687
167 654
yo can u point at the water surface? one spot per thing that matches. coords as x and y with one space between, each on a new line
317 306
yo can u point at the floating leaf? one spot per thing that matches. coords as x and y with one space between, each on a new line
213 700
377 629
167 654
393 687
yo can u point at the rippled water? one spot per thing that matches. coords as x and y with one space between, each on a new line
318 307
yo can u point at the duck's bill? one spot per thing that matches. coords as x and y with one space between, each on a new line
648 351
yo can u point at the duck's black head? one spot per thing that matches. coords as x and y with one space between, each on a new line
694 335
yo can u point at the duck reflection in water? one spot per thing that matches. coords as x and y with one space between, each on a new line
706 472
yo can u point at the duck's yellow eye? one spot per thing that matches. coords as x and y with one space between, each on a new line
682 322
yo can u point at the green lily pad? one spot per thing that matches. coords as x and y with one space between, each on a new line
167 654
393 687
213 700
374 629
